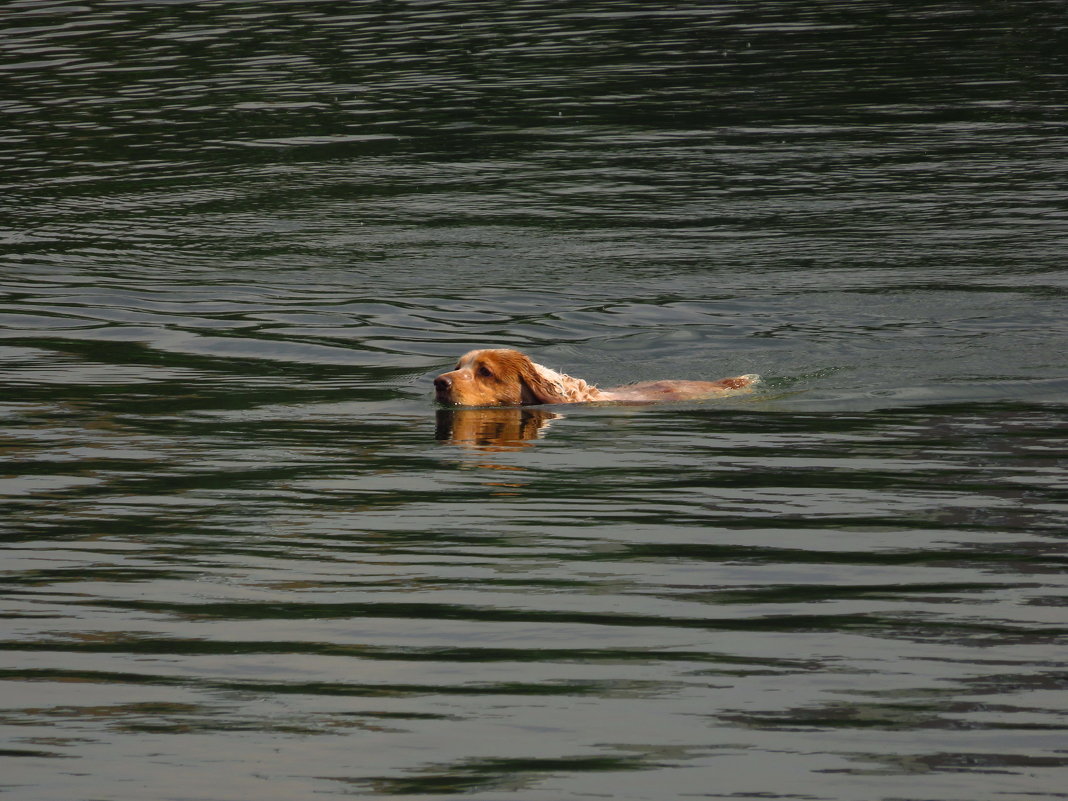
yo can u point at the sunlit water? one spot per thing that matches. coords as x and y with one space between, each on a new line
246 556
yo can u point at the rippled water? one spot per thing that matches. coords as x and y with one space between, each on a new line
245 555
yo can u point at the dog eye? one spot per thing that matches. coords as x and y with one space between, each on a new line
484 372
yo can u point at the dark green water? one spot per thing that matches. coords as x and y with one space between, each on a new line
246 557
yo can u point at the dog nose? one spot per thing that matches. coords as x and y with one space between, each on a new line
441 383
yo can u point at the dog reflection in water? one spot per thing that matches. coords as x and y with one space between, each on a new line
493 429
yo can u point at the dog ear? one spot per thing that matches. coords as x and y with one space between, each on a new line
536 388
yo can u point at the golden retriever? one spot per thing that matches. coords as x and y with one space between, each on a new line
504 377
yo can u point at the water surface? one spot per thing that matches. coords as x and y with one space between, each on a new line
245 556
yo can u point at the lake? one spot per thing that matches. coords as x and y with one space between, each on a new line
245 554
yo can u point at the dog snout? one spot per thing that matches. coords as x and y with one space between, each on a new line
442 383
